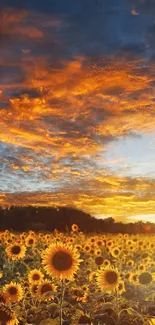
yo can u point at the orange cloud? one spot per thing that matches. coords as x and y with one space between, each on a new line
134 12
73 111
12 23
108 196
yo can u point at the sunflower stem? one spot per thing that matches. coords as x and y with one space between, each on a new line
61 300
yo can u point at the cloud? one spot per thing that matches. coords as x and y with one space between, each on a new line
113 196
76 103
69 88
67 118
143 4
13 25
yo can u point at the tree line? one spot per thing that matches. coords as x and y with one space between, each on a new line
27 218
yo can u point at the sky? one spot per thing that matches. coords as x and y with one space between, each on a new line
77 106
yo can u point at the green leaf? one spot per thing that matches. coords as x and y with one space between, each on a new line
49 321
130 311
106 305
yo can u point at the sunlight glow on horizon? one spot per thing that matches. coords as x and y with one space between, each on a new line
136 218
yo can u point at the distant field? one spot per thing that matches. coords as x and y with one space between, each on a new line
72 278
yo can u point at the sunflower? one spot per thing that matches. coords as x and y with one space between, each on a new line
7 316
145 246
78 247
152 245
145 255
84 319
129 242
87 248
130 263
98 252
109 243
75 227
145 278
88 262
35 276
100 243
92 276
120 287
13 292
92 251
70 240
107 279
140 243
16 251
132 248
134 278
127 276
123 259
115 252
40 235
47 237
6 232
141 267
99 260
45 287
61 262
152 264
33 289
135 239
30 241
92 239
22 235
79 294
106 262
147 260
8 241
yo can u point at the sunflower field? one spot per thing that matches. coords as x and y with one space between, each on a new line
73 278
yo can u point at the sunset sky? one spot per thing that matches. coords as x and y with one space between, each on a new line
77 105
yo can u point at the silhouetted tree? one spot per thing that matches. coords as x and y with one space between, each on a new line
61 218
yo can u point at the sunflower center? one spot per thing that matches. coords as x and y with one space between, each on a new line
109 243
145 278
34 288
12 291
116 251
16 249
36 276
4 316
31 241
62 261
99 243
78 293
46 288
99 260
111 277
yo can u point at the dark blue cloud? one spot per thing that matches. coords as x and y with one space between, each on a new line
90 27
